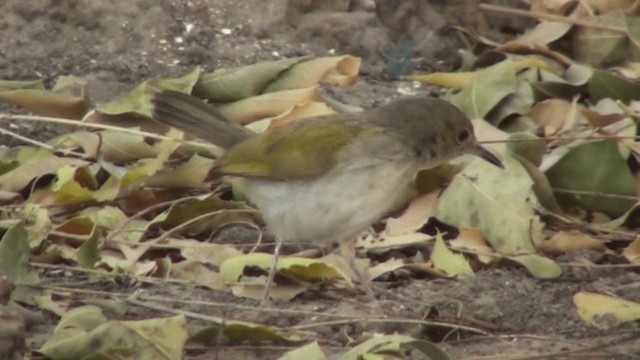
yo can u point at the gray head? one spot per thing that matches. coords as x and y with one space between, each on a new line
434 128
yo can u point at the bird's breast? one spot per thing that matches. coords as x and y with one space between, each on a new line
334 207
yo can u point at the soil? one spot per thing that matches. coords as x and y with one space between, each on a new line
119 43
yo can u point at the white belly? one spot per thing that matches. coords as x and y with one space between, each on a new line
334 209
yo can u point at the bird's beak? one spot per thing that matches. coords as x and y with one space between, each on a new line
482 152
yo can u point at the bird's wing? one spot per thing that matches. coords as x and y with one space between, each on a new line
299 151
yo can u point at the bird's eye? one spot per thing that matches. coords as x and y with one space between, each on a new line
463 135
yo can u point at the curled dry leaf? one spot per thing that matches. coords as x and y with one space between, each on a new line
630 70
300 111
632 251
414 217
268 105
335 70
472 239
555 115
564 241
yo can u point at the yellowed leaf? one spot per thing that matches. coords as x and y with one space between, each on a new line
188 175
232 273
204 252
594 308
197 273
452 80
449 262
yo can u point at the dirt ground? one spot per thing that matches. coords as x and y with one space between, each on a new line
119 43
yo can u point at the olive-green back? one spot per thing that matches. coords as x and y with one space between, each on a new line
297 151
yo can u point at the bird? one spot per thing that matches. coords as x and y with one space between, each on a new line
327 178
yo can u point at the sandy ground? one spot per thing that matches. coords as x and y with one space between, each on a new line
117 44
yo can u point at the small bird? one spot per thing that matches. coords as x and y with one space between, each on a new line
327 178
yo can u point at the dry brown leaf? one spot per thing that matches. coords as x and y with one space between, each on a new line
516 47
598 120
268 105
301 111
127 121
380 241
593 7
630 70
115 260
188 175
388 266
204 252
197 273
632 252
425 267
335 70
564 241
451 80
555 115
414 217
472 239
18 178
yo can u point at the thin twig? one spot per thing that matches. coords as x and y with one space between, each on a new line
551 17
104 127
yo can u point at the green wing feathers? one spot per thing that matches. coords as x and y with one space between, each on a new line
301 151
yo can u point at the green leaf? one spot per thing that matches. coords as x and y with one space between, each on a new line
545 32
518 102
14 257
498 202
228 85
539 266
303 270
138 99
6 85
239 331
310 351
598 168
88 252
447 261
566 87
601 47
487 89
390 345
85 333
604 84
186 209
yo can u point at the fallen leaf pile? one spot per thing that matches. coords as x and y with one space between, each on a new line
121 195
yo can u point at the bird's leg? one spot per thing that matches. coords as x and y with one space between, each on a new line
272 273
348 250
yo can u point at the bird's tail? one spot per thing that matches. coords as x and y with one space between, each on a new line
196 117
